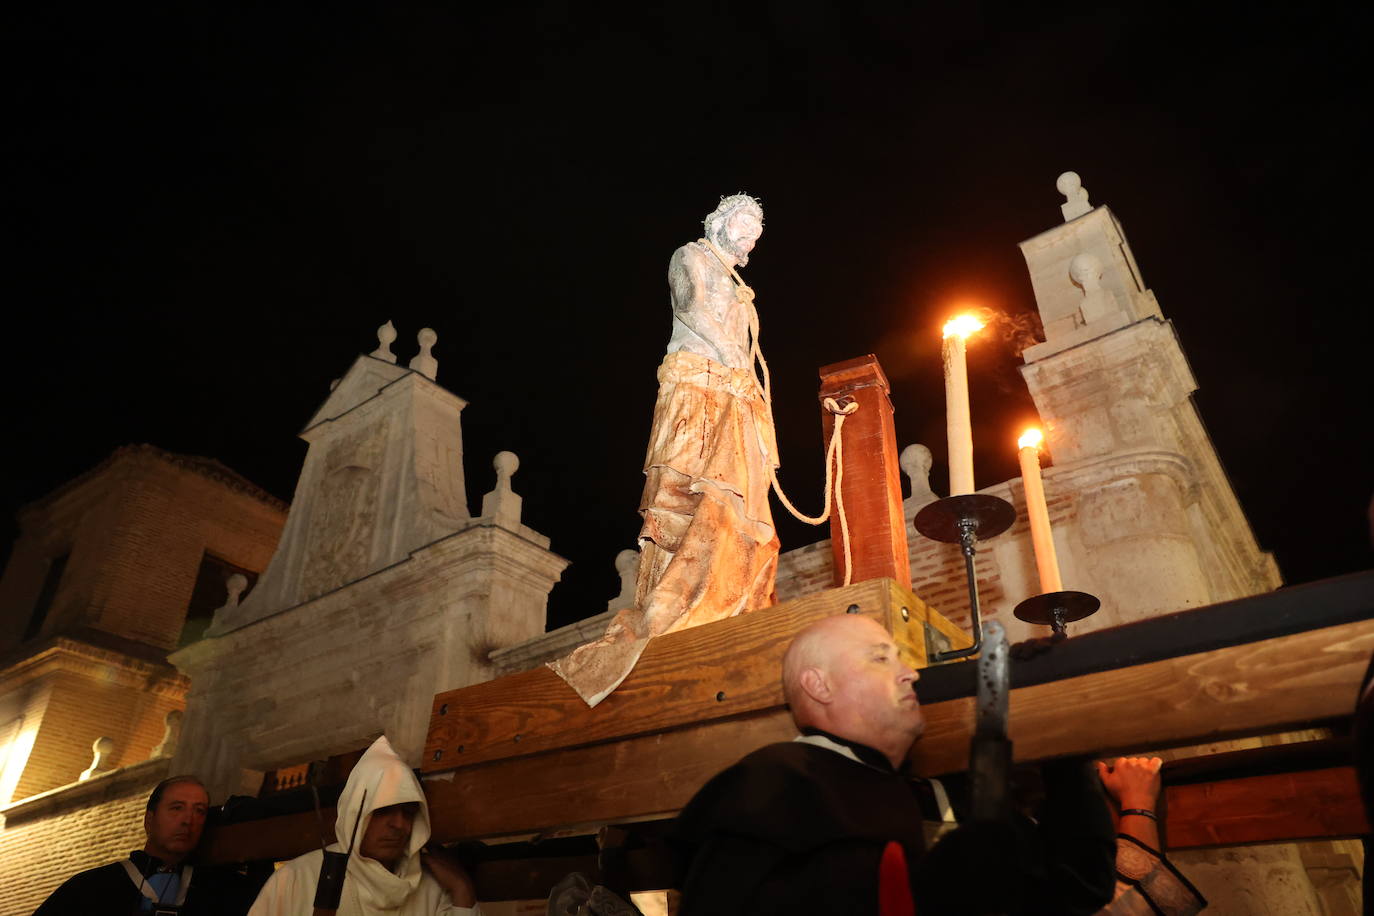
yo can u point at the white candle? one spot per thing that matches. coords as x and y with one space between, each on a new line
958 426
1038 512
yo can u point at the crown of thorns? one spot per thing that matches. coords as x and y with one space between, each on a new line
728 207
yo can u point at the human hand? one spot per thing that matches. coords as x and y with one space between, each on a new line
1133 782
450 874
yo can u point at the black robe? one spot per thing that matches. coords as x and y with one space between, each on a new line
109 891
795 828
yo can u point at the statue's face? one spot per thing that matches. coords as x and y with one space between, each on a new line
739 234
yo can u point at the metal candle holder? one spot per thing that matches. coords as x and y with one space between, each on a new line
965 520
1056 609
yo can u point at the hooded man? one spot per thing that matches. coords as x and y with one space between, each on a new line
387 871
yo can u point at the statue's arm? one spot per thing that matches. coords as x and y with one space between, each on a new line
686 281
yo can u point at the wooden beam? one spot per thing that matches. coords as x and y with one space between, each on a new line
1271 685
1247 689
1266 809
282 837
872 481
722 669
1290 679
632 779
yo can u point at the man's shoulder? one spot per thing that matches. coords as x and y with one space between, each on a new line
781 754
802 757
101 873
93 884
774 775
795 795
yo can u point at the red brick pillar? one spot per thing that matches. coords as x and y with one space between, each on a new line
872 478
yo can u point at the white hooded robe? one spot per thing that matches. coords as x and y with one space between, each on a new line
370 887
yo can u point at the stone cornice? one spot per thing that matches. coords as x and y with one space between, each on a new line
1082 476
109 666
1099 214
450 555
400 379
516 550
89 792
1116 343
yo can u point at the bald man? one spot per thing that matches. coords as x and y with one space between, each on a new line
828 823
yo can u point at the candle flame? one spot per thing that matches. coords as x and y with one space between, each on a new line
1031 438
962 326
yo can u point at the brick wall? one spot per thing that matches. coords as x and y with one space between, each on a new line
47 840
169 517
136 528
80 710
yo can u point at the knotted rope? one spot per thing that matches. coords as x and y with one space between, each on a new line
834 452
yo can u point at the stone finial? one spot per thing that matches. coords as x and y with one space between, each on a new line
916 461
385 335
502 504
102 749
627 564
1076 196
1086 272
235 585
168 746
424 361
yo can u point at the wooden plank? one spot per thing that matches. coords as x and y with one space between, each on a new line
1246 689
1266 809
634 779
282 837
871 486
1271 685
715 671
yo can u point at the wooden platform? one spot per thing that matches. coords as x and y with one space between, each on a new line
693 678
1273 662
1146 685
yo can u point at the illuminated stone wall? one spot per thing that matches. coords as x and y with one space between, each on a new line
384 591
49 838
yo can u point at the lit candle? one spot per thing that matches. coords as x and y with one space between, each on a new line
1041 538
958 427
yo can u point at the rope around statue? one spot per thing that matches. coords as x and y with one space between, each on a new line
834 452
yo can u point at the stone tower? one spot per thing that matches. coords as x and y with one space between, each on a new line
1153 524
382 592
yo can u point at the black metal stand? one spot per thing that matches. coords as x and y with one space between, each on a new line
1056 609
964 520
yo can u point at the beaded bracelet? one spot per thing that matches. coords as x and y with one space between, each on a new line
1143 812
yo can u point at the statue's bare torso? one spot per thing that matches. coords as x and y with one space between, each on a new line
708 319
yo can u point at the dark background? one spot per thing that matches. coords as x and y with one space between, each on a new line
210 210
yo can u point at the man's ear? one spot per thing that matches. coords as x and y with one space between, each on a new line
816 685
148 823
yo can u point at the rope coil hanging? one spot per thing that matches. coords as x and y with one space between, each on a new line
834 452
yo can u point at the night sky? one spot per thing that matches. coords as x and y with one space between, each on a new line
211 209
